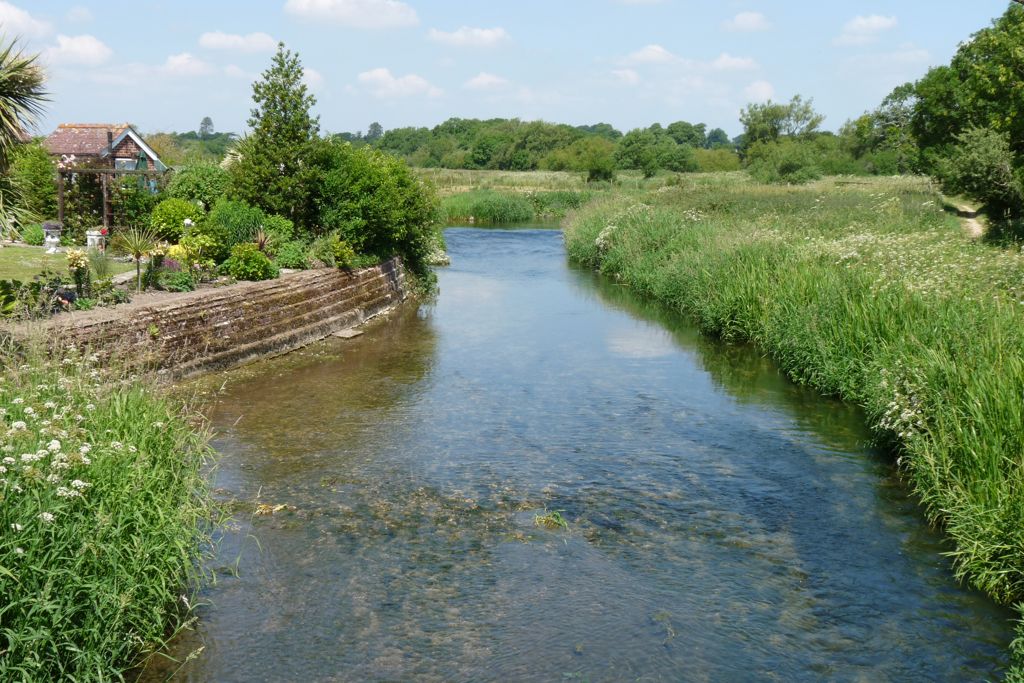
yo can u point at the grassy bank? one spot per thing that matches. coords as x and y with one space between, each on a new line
867 290
102 518
491 207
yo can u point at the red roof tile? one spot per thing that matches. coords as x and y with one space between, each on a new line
81 139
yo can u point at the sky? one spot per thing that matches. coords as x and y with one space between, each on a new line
163 65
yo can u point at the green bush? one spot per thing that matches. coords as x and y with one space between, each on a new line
247 262
344 254
32 170
376 204
103 528
711 160
175 281
279 228
33 234
236 221
785 162
292 254
199 184
981 167
169 218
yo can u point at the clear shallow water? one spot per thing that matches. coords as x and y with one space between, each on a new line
723 524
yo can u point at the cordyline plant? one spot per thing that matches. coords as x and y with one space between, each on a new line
136 242
21 103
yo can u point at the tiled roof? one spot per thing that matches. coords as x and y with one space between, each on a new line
82 139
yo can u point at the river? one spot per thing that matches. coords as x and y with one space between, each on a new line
723 524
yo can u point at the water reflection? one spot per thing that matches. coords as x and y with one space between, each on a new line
724 525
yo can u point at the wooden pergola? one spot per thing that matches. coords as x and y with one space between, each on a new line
106 176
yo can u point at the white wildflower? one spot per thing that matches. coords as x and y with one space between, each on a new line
84 448
54 446
19 426
17 527
46 516
18 401
79 484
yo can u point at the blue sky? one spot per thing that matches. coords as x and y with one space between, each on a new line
165 64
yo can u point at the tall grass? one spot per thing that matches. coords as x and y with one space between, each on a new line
102 520
866 290
491 207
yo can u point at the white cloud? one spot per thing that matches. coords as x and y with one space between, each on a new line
726 62
862 30
84 50
747 22
15 21
312 78
185 65
759 91
626 76
355 13
382 83
79 15
466 36
250 42
235 71
651 54
485 81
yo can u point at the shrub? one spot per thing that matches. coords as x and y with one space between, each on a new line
321 251
344 254
175 280
235 220
207 238
292 254
279 228
377 204
169 217
247 262
33 234
981 167
786 162
199 184
33 172
711 160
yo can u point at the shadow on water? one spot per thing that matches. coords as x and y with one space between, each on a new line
723 524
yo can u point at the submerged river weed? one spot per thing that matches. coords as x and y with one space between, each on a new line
103 510
866 290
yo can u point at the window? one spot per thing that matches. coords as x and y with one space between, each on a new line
125 164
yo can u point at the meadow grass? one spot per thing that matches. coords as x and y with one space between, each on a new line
864 289
103 516
22 263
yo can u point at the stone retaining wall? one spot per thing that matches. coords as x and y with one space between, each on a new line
217 328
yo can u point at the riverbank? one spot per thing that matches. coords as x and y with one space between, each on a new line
866 290
104 520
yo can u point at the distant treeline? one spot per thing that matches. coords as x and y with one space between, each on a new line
515 145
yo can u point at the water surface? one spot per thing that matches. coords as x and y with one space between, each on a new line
723 523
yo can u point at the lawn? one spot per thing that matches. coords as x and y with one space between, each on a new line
21 263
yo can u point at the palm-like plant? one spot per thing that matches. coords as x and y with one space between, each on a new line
21 102
136 242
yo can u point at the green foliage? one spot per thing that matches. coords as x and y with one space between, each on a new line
274 170
771 121
33 234
292 254
94 565
176 281
343 253
786 161
981 166
376 204
247 262
234 220
22 94
132 200
204 183
487 206
169 217
719 159
279 228
321 251
33 172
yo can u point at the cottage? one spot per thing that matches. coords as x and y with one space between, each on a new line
102 145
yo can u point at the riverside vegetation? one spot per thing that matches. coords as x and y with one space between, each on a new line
868 290
104 512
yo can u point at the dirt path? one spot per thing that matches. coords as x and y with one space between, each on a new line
972 225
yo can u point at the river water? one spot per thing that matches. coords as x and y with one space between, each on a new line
723 524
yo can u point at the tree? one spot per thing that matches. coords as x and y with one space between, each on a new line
274 169
21 98
716 139
770 121
685 133
981 166
205 128
374 132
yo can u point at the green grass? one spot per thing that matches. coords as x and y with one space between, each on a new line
22 263
492 207
102 521
866 290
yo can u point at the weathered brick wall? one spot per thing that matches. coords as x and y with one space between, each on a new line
229 326
127 149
